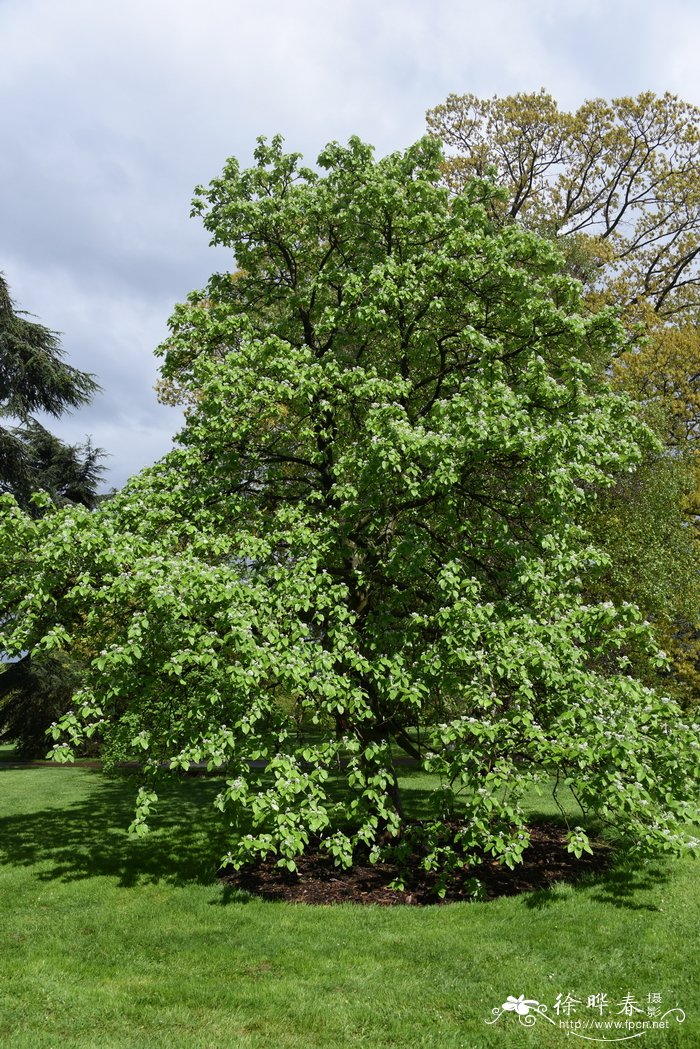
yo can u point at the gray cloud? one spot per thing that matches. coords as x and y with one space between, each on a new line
113 112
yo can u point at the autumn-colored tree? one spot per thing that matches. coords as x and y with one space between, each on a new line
616 182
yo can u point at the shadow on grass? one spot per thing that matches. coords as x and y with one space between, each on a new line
89 838
622 886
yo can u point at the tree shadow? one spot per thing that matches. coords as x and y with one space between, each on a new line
620 885
624 883
89 838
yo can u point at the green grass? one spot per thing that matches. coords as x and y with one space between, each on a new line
107 942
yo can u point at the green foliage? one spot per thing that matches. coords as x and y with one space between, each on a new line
68 473
34 692
33 375
652 561
367 538
615 186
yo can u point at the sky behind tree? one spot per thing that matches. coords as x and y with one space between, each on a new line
114 112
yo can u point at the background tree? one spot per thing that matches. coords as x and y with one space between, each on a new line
367 541
35 378
616 185
68 473
654 516
615 181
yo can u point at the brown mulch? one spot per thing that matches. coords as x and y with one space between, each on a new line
318 881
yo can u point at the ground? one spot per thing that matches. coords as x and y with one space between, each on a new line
319 881
107 942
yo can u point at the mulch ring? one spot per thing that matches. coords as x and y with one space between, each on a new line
318 881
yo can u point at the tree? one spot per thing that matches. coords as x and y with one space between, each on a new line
615 186
35 691
69 473
366 540
615 183
34 377
663 376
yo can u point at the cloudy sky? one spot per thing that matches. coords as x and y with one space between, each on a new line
112 112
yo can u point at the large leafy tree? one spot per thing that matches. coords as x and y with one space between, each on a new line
366 541
615 185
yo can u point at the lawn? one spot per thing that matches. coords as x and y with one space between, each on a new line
108 942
